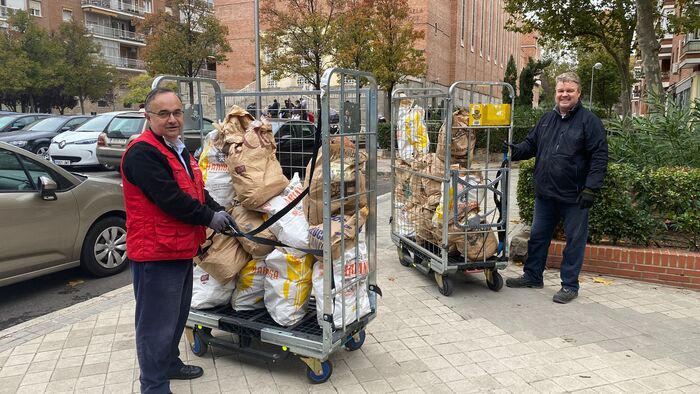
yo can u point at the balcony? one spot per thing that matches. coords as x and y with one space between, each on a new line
690 52
203 73
665 75
5 12
125 63
126 8
109 32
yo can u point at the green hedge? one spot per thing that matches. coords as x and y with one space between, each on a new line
634 207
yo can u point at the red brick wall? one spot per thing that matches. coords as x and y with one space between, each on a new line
668 266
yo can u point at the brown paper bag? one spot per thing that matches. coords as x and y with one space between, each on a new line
248 220
463 140
233 126
351 226
224 258
255 172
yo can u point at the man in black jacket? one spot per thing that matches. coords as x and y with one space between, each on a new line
571 149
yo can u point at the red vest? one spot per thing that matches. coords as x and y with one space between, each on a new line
151 233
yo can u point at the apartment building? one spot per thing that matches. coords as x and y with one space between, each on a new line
679 58
463 40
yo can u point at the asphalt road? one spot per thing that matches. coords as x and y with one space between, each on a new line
33 298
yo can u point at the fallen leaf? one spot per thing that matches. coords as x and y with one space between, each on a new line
74 283
391 279
602 280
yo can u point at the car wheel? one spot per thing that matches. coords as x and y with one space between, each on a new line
104 249
43 151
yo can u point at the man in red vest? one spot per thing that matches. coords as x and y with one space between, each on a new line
167 210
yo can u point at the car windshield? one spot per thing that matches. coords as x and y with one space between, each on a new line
5 120
97 123
49 124
125 127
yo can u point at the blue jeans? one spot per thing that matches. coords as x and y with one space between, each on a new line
163 291
548 213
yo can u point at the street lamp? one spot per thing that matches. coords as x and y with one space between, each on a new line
596 66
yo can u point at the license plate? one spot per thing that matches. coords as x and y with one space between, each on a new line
62 162
120 141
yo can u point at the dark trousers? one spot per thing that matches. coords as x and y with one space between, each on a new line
163 291
548 213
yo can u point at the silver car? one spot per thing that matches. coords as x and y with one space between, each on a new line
52 219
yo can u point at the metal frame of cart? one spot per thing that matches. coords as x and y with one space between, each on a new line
354 93
487 183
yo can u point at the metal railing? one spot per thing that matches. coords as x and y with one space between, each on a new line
690 46
125 62
203 73
107 31
119 5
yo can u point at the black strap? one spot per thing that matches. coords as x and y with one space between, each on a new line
497 200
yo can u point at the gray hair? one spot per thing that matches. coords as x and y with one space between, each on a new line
157 92
570 76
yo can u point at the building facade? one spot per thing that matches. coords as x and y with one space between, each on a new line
679 58
463 40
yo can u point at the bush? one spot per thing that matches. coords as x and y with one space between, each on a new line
524 119
634 207
384 135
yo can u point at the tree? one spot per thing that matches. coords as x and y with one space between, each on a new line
300 39
393 50
38 55
14 71
86 75
582 23
510 77
139 86
183 41
606 83
353 36
649 45
527 79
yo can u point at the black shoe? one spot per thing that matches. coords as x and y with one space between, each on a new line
187 372
523 282
564 296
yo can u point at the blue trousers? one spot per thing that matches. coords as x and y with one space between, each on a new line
548 213
163 291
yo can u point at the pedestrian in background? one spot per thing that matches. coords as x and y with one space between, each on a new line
302 107
167 210
571 151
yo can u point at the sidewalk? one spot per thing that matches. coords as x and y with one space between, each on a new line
622 336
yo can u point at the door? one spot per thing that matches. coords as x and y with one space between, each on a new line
35 234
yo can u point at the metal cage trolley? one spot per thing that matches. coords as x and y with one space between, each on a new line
344 128
450 192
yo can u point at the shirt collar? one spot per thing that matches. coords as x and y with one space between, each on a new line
571 112
178 146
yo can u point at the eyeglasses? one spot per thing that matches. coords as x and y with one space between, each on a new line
166 114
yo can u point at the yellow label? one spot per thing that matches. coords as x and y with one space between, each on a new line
299 273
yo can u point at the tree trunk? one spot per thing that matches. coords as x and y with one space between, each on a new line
649 46
388 111
81 99
625 95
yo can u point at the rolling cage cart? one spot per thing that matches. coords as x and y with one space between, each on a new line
313 339
450 205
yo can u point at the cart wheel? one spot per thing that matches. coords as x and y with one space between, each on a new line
354 344
402 253
326 371
496 282
445 284
198 346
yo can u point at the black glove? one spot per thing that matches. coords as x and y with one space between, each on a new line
585 199
512 147
221 221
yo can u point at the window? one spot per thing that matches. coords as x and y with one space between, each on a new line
12 175
67 15
74 123
34 7
481 34
271 82
473 40
301 81
489 15
464 12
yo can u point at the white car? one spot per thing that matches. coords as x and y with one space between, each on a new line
77 148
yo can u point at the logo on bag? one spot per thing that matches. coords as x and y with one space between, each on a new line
204 278
240 169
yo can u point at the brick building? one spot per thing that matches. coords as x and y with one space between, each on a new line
464 40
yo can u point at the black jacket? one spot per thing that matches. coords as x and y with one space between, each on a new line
571 153
147 168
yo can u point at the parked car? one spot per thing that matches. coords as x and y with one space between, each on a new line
295 144
37 137
18 122
6 113
77 148
54 220
112 143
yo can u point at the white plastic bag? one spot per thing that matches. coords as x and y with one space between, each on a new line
250 287
287 286
353 300
404 223
472 201
217 181
291 229
208 292
411 131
